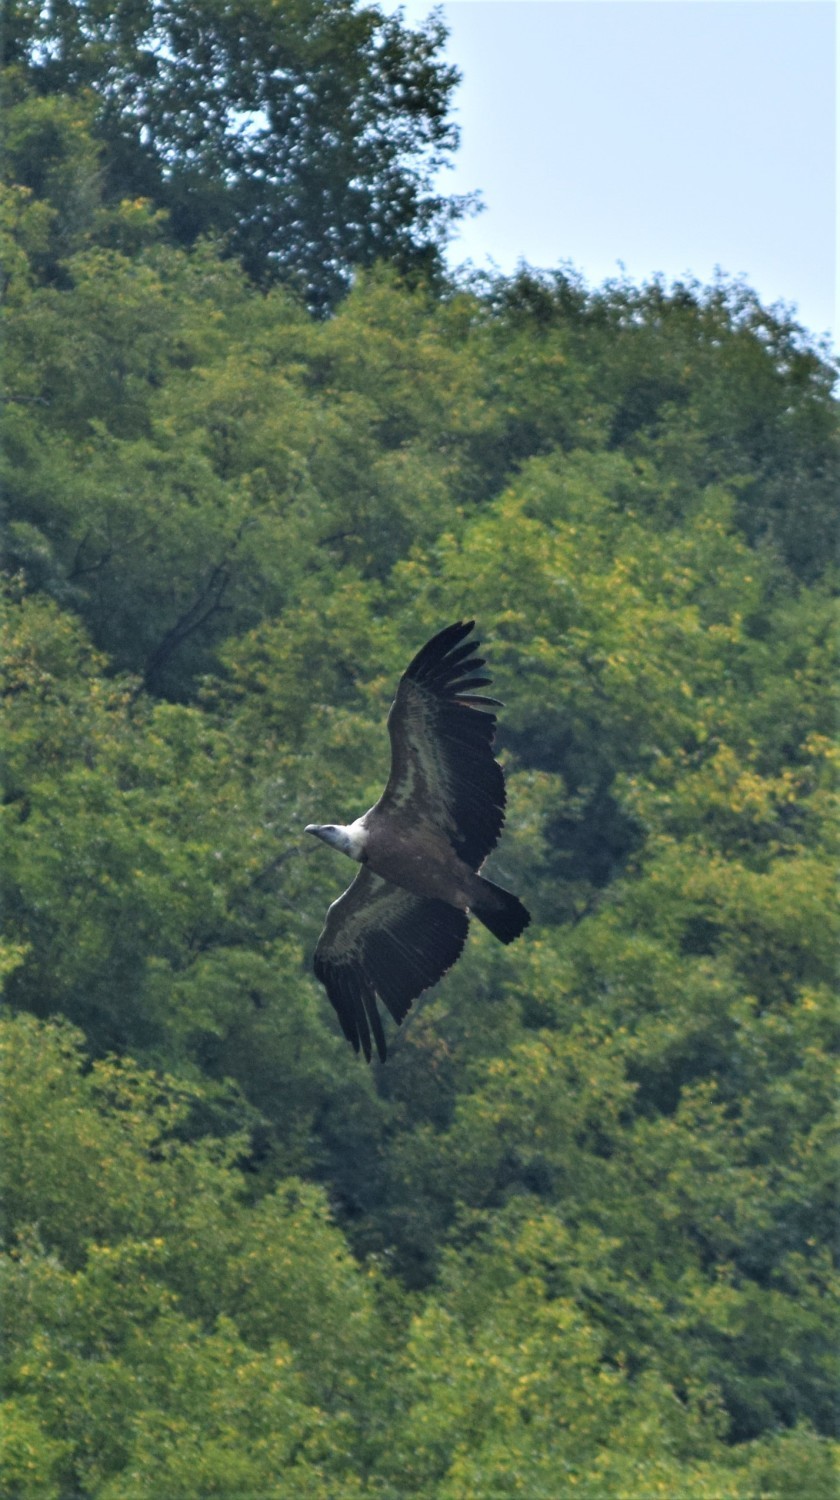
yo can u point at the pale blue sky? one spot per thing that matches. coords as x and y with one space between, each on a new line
669 135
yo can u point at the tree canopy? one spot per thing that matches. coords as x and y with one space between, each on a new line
576 1236
304 138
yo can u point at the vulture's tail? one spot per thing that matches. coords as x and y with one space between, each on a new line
499 910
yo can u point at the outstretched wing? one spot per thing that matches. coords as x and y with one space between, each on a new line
442 766
379 940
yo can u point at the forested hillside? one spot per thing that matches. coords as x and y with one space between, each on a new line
574 1238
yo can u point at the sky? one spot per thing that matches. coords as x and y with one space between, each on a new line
672 136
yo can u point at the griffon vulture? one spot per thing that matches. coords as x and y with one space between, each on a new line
403 921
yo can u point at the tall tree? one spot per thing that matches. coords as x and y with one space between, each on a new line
306 135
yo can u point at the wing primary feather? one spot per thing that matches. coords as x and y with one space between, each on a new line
440 675
435 649
462 685
344 1006
375 1020
460 653
360 1013
348 984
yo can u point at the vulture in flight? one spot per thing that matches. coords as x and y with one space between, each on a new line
403 921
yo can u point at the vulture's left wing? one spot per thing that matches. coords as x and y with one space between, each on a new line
443 770
379 940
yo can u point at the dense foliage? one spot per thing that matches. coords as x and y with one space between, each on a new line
304 137
574 1237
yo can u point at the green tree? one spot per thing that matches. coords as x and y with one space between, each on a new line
514 1389
307 138
160 1333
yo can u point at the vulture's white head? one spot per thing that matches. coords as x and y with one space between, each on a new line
349 839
